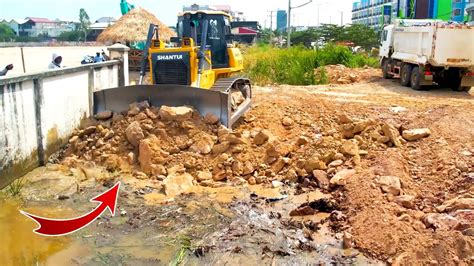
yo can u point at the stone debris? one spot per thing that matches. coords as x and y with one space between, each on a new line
416 134
176 184
181 113
261 137
340 74
341 177
104 115
390 185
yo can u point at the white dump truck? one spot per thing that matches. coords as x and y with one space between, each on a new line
423 53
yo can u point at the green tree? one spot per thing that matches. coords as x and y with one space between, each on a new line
71 36
305 37
361 35
6 33
84 22
331 33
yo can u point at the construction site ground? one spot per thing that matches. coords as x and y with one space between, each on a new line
312 174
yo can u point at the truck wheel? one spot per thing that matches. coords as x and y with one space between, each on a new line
415 79
405 76
385 69
462 88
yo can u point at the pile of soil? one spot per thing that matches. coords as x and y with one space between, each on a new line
177 145
340 74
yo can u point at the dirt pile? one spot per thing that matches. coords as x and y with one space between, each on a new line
180 147
340 74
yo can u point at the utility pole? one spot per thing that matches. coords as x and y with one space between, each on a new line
342 18
288 26
289 20
271 18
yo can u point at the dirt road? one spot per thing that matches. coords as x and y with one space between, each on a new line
311 174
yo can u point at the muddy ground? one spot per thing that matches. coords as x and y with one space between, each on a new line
335 176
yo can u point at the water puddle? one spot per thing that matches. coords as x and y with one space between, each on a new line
228 225
20 246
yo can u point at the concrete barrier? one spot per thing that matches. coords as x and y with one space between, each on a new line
38 112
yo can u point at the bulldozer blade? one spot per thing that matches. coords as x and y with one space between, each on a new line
205 101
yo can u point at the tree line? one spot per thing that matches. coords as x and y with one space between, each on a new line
7 34
351 35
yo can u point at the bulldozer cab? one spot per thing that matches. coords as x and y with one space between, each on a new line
218 34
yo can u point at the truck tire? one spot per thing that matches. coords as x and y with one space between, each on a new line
415 79
462 88
405 75
385 70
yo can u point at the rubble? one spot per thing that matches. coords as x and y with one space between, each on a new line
341 177
416 134
390 185
340 74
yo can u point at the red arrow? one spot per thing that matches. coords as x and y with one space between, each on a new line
59 227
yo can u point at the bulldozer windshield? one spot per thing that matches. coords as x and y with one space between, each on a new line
190 25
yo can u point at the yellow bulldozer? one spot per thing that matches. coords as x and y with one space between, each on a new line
201 69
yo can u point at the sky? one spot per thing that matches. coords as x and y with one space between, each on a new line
166 11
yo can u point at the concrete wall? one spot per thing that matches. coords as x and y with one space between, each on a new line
38 112
38 58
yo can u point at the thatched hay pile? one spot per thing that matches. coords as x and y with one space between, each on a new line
133 27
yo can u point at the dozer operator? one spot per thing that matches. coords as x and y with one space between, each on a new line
202 69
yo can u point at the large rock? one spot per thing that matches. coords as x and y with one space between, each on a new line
261 137
390 184
211 119
321 178
314 163
104 115
204 175
134 134
181 113
416 134
43 184
176 184
392 133
341 177
220 148
350 147
247 168
278 165
407 201
440 221
203 145
150 153
457 203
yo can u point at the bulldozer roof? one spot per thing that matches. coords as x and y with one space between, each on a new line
209 12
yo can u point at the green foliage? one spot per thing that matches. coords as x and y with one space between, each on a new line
265 64
27 39
321 76
84 22
6 33
295 66
71 36
305 37
355 35
15 187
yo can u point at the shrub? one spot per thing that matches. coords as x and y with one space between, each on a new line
265 64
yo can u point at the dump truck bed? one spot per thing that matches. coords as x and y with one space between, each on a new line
438 44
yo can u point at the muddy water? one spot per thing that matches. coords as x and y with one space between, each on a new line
228 225
19 245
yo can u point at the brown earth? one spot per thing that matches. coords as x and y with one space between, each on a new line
340 74
407 202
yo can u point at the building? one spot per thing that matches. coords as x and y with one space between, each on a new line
13 24
43 27
376 13
470 12
99 26
245 31
282 20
